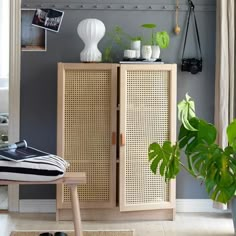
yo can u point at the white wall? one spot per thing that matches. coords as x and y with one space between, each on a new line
4 100
4 55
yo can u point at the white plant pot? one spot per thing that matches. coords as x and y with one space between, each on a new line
155 52
91 32
130 54
146 52
136 45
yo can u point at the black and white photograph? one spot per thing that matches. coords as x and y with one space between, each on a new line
49 19
32 38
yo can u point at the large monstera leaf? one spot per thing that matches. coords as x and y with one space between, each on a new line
204 133
197 141
220 174
216 167
166 158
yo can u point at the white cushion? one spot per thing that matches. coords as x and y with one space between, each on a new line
46 168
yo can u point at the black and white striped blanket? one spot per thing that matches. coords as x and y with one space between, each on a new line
44 168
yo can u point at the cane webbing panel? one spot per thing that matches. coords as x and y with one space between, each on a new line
87 131
147 120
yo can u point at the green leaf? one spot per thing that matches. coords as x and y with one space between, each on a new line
231 133
137 38
149 26
166 158
186 111
221 194
107 54
217 167
205 133
162 39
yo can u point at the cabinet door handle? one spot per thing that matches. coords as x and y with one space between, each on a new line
122 139
113 141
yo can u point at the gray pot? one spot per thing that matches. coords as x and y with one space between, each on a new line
233 210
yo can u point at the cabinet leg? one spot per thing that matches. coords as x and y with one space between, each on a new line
76 210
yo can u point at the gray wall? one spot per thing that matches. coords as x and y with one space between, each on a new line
39 72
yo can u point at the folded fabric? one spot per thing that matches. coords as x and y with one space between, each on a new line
46 168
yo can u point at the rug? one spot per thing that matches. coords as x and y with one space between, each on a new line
85 233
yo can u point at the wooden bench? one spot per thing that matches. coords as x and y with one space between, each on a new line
70 179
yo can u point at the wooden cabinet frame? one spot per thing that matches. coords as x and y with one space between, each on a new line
117 209
142 82
85 69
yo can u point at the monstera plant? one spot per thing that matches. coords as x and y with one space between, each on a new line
213 165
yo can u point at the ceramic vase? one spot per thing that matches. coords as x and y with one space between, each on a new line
130 54
155 52
233 212
146 52
136 45
91 32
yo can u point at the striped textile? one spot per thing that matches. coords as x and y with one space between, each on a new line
43 168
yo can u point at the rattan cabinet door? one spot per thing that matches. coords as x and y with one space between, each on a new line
86 124
147 114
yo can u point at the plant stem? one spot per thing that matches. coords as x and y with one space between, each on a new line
189 171
152 37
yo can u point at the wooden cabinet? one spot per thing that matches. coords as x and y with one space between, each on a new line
108 114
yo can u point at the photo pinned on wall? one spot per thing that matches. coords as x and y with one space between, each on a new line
49 19
32 38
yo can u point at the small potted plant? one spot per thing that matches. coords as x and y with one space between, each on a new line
215 166
116 37
157 40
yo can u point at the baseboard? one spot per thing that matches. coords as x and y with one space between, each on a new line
37 206
182 205
196 205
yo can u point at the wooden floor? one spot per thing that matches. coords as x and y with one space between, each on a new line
186 224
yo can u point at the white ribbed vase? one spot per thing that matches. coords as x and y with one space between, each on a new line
91 32
155 52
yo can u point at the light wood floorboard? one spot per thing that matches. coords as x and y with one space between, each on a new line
185 224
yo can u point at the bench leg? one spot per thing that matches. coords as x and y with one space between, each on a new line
76 210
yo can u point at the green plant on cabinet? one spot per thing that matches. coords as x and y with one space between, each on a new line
117 37
160 38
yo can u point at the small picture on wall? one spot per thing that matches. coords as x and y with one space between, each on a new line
49 19
32 38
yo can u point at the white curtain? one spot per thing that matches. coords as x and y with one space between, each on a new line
225 68
225 64
4 42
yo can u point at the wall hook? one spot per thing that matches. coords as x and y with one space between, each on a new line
150 7
164 7
109 6
122 7
95 6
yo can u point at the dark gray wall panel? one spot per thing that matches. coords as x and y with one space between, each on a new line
39 74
